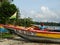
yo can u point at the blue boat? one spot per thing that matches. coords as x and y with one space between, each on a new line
3 30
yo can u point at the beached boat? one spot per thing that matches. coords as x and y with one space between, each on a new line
36 35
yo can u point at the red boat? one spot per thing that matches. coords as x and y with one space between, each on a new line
36 35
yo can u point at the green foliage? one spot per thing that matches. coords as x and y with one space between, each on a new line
25 22
17 17
22 22
6 10
6 35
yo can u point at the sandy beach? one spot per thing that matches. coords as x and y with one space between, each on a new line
20 41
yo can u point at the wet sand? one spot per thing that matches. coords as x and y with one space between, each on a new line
20 41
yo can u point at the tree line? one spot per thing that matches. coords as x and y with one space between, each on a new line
48 23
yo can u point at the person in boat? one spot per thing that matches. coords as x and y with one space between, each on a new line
42 27
36 27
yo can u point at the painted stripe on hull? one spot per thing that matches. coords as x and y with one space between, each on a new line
48 35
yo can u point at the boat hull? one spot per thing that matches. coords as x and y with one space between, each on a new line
38 37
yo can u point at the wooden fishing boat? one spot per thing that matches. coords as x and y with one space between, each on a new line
36 35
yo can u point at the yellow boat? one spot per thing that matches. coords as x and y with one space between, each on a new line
37 35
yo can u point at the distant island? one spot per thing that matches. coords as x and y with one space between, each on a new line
48 23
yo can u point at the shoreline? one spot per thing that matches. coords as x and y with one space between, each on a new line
20 41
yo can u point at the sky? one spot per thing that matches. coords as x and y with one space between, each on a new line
39 10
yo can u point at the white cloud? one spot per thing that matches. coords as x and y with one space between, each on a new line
47 15
43 8
44 20
32 12
44 15
38 15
